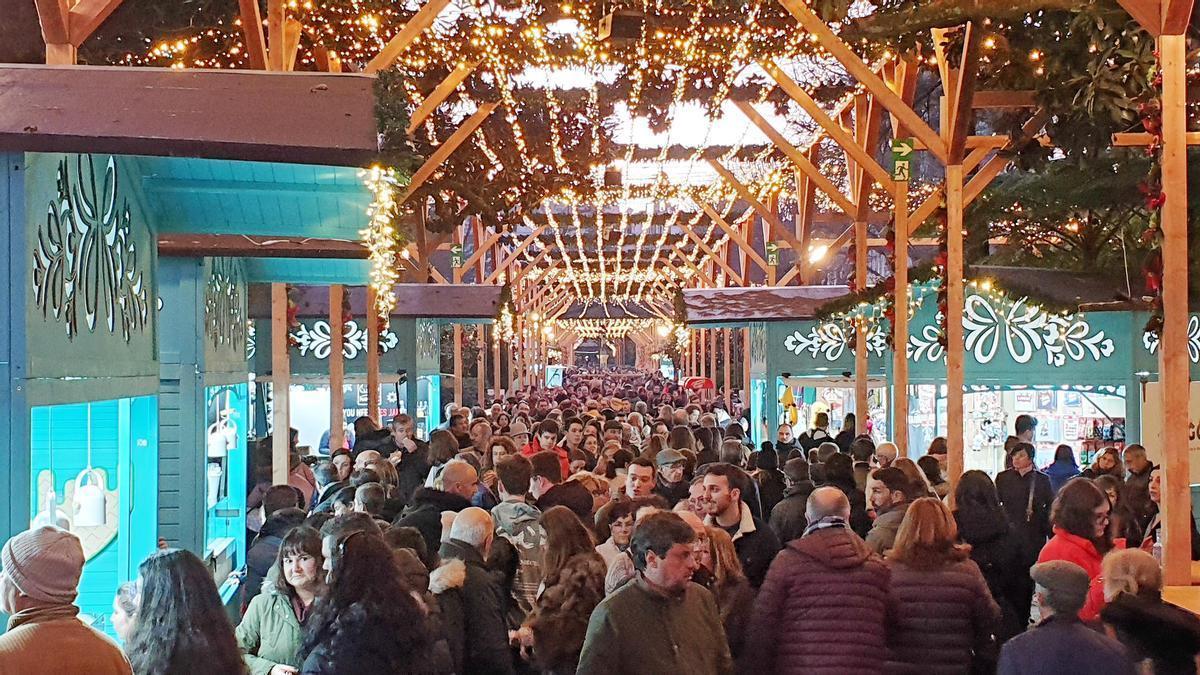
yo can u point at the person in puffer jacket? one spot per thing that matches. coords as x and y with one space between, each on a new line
823 605
942 620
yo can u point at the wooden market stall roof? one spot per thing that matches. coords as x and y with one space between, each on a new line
740 305
429 301
1061 287
316 118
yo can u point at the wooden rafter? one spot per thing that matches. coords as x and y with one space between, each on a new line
800 159
861 72
276 41
747 196
833 129
439 94
736 237
512 257
713 256
86 16
252 34
422 20
447 147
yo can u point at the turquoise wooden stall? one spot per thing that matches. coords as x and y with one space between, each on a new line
79 355
125 410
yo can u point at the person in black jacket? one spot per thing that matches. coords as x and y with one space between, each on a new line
409 454
1026 496
770 480
425 512
983 524
839 473
756 544
549 488
470 599
368 621
328 485
788 517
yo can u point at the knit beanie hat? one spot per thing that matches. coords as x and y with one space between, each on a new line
45 564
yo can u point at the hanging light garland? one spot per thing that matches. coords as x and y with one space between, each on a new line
381 238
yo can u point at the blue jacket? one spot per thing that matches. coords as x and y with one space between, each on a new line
1059 475
1063 644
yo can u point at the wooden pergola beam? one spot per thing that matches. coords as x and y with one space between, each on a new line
86 16
481 250
276 40
861 72
53 16
832 128
512 257
422 20
744 193
447 148
802 161
1148 13
712 256
439 94
736 237
252 33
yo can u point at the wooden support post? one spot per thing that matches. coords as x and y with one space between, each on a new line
702 338
481 366
746 377
712 355
252 34
276 50
458 364
954 327
1173 353
728 363
337 367
281 377
495 364
373 328
861 364
900 323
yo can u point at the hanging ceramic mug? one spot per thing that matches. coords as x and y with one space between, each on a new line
89 499
218 441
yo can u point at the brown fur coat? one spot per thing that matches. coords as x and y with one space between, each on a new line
560 615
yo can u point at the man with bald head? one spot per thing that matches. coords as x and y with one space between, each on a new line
823 605
460 481
469 597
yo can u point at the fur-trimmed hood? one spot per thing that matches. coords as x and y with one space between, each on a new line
449 575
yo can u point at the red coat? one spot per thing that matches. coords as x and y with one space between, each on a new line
821 609
1073 548
532 448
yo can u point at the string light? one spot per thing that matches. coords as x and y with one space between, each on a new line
380 237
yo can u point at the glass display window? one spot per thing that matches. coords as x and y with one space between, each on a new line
226 415
94 471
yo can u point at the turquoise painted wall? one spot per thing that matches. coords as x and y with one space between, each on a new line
89 279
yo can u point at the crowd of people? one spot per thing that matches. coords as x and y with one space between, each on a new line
615 525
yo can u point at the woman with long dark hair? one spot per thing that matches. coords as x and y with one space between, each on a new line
1080 516
573 584
367 622
933 473
273 626
181 624
944 615
1063 468
983 524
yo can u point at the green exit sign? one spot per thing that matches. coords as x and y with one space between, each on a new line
902 149
456 255
772 253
